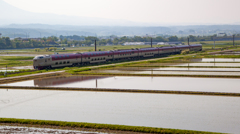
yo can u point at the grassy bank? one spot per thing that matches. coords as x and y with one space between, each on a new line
12 61
79 125
25 72
4 81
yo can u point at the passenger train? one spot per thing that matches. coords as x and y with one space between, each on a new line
74 59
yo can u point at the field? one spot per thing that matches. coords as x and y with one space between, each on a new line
193 65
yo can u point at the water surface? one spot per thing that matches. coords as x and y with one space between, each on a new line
191 112
146 83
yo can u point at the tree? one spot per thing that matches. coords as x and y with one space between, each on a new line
173 38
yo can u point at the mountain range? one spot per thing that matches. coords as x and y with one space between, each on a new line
13 15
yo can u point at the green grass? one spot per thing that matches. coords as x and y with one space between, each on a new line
17 58
12 61
101 126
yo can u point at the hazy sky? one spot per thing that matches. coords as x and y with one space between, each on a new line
154 11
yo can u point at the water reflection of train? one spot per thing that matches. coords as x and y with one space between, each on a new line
63 60
63 80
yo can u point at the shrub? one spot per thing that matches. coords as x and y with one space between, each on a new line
187 51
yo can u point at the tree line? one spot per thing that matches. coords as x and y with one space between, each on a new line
6 43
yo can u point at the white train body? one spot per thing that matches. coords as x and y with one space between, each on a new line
62 60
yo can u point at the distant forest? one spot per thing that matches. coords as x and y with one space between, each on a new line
6 43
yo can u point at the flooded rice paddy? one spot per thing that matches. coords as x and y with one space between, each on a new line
191 64
220 60
191 112
188 73
180 69
145 83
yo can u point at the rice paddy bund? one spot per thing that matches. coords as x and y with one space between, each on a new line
186 93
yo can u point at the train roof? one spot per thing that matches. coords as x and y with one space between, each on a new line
114 51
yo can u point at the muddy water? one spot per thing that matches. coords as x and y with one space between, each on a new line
146 83
193 112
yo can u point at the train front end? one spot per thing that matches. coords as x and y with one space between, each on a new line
39 62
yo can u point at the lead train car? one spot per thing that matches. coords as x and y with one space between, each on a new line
63 60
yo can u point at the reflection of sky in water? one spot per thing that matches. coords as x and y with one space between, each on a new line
146 83
193 112
194 69
218 60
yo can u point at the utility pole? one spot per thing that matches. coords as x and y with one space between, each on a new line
6 70
233 40
95 45
188 41
151 42
214 42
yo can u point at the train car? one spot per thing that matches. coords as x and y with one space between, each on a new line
74 59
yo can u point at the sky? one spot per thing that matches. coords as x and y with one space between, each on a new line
146 11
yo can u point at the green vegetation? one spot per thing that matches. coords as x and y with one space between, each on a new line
6 43
17 58
11 61
185 52
76 125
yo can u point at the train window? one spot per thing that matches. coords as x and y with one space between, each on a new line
92 60
101 59
64 62
98 58
63 56
68 62
60 62
104 58
56 57
95 59
67 55
88 57
56 63
45 60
